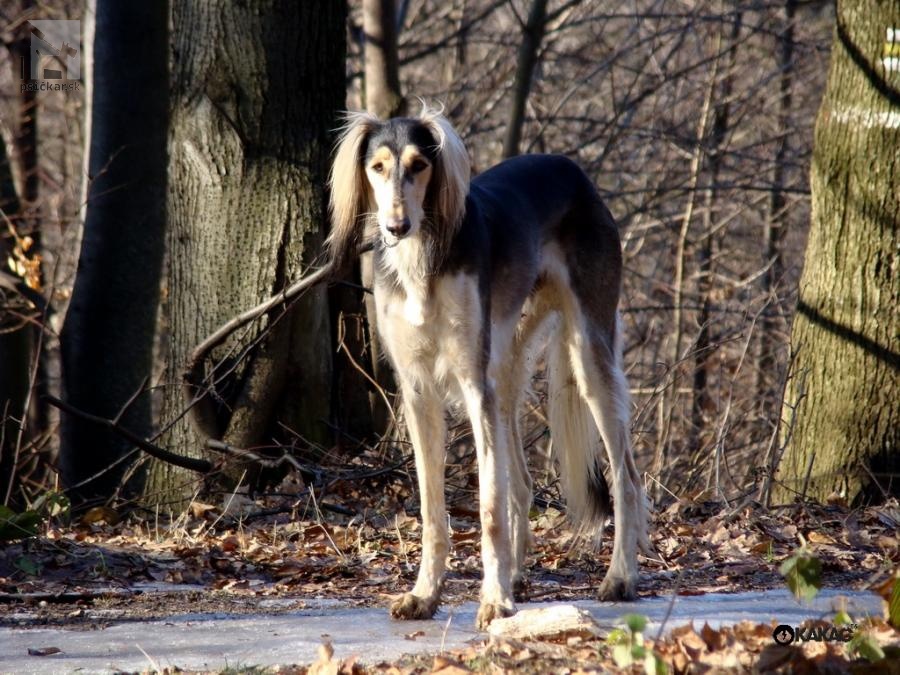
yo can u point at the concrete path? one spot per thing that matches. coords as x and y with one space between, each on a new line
214 642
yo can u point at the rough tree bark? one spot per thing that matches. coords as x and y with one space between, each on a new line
255 89
845 381
383 99
107 339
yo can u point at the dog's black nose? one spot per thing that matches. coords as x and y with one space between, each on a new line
398 228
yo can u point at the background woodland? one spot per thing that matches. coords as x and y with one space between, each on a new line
185 183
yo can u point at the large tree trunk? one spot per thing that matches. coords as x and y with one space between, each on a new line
844 386
255 89
385 100
107 339
383 95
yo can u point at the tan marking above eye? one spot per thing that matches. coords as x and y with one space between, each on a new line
413 160
382 161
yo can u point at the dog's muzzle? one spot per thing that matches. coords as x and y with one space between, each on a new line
399 227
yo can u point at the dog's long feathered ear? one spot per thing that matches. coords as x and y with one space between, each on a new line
452 171
349 189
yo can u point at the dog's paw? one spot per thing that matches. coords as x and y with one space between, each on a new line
409 606
488 611
614 589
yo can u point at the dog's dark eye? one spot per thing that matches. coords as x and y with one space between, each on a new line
418 166
378 168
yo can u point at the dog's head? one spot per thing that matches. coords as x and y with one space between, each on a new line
408 173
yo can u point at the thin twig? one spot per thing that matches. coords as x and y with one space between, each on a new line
189 463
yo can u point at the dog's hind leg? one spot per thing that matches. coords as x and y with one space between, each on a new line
602 384
520 497
427 429
512 389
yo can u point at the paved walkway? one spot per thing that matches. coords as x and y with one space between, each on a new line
213 642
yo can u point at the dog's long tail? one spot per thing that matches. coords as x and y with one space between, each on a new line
577 445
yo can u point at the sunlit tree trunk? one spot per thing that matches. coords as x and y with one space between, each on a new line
845 383
383 95
384 99
255 90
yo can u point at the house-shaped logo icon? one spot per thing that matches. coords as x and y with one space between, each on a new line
54 52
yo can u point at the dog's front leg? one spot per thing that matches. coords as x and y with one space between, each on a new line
493 490
425 421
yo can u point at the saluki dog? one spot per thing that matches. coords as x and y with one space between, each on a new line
470 279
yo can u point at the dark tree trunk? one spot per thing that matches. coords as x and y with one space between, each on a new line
108 336
15 347
255 91
20 203
845 382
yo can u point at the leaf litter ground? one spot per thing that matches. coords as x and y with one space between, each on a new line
357 540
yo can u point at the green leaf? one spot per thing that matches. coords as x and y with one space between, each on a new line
864 645
842 618
894 604
654 665
635 622
15 526
803 574
617 636
52 504
27 565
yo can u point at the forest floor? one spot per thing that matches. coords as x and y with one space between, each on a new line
358 541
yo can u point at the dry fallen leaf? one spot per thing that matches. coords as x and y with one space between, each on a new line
817 537
100 514
444 666
199 509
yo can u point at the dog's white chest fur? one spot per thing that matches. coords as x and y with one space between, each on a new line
406 259
431 330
